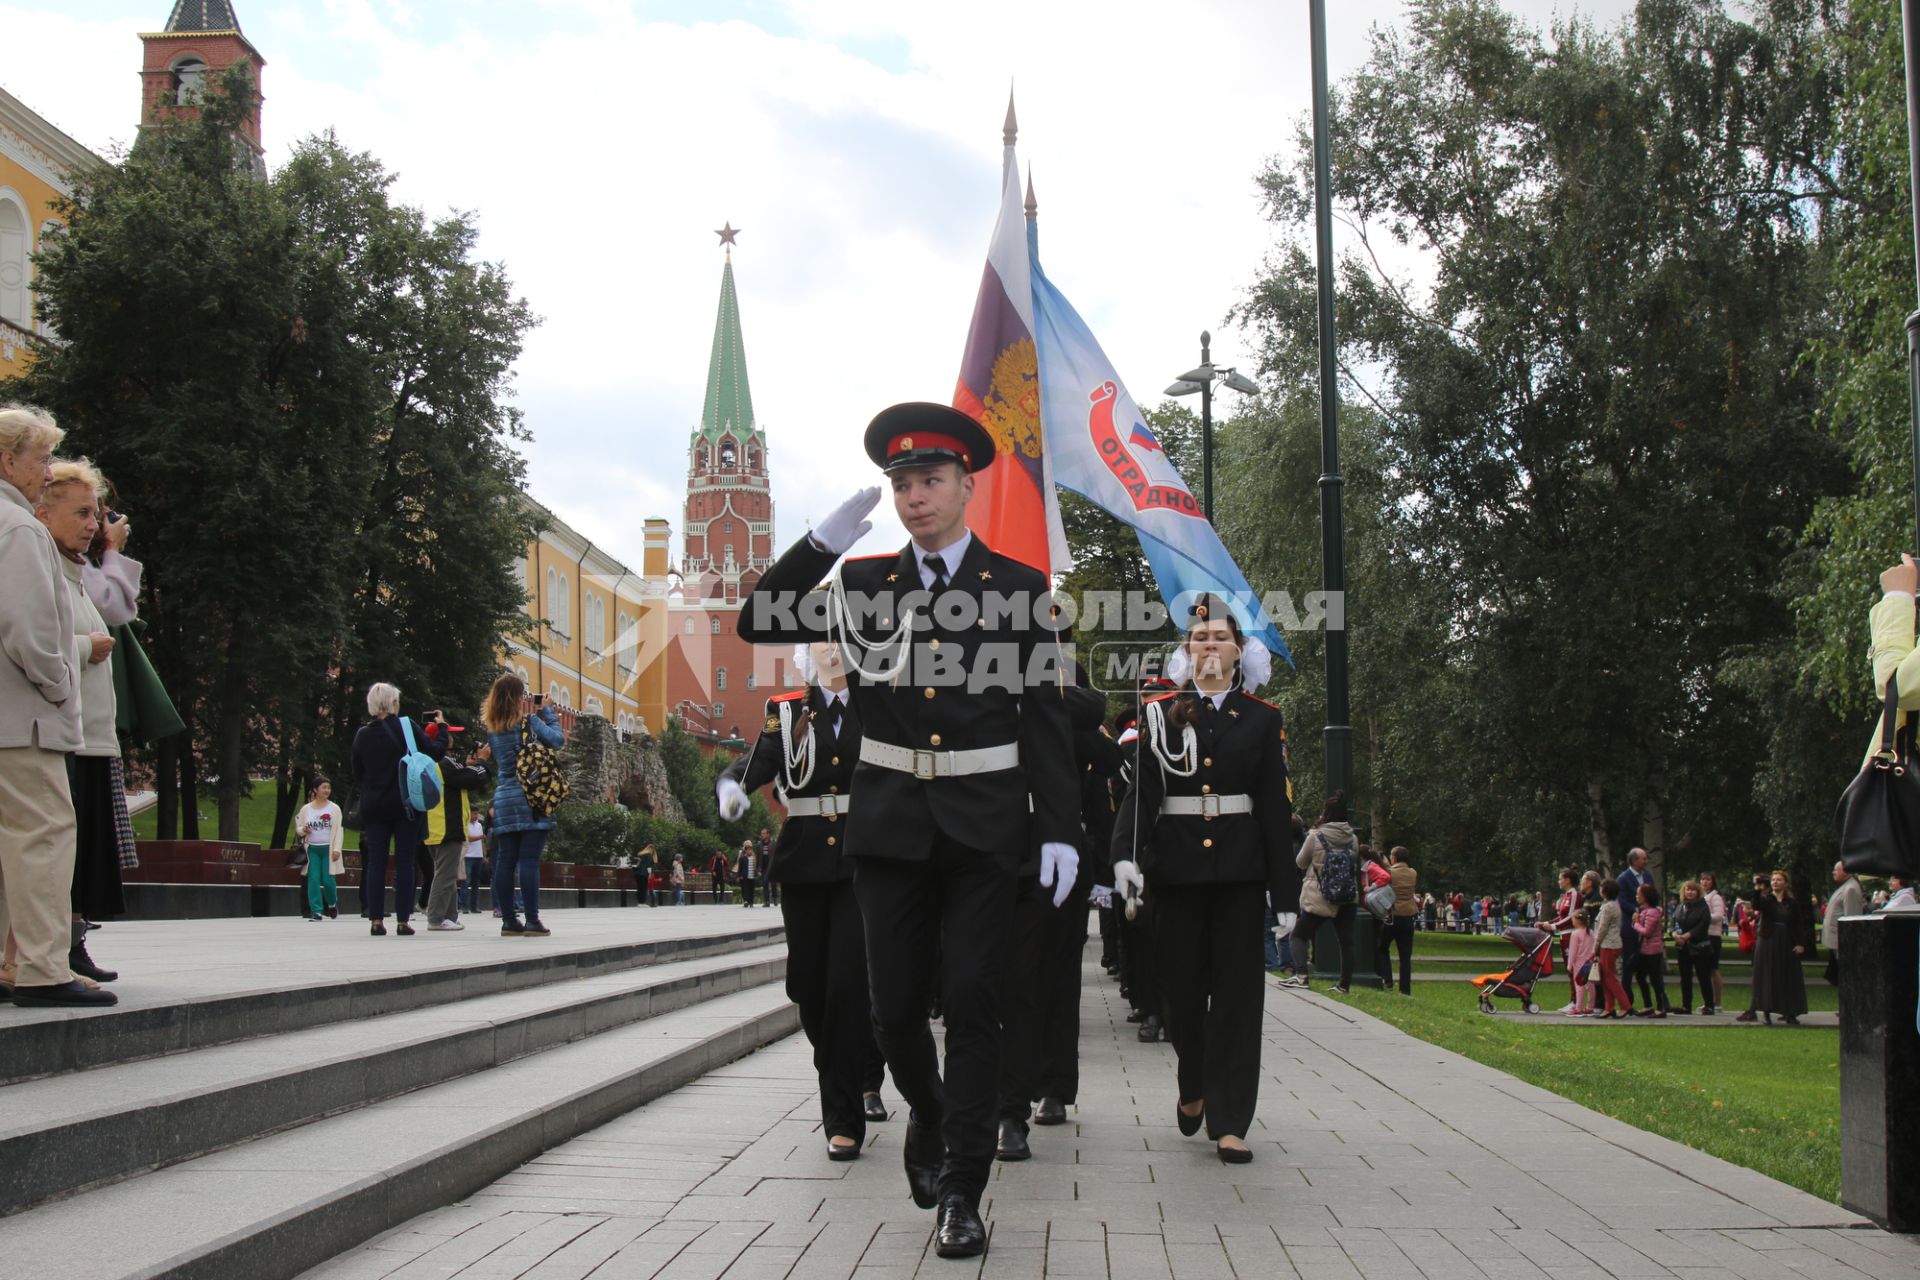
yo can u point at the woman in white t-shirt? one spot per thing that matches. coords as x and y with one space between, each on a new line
474 855
317 827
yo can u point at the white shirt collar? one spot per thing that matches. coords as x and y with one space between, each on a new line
834 695
952 554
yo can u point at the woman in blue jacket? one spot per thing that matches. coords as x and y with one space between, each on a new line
519 834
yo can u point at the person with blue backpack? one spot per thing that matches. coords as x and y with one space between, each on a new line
1329 859
396 781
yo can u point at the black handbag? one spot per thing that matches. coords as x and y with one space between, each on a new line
352 820
1879 813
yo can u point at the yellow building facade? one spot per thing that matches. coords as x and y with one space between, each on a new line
598 644
35 161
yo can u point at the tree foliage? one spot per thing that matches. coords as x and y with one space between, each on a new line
299 389
1596 437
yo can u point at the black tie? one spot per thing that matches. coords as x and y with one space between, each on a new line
833 718
937 566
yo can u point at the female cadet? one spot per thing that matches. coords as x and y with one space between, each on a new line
1205 830
810 745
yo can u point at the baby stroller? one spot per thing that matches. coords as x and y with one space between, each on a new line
1536 962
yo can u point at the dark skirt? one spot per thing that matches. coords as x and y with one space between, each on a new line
96 861
1779 986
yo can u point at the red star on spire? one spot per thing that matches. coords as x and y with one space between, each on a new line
727 233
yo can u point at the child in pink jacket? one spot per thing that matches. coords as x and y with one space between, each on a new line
1580 951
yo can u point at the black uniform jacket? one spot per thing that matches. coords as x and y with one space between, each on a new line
1243 751
897 814
1098 759
810 850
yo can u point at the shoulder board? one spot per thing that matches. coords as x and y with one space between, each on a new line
786 697
879 555
1160 697
1262 701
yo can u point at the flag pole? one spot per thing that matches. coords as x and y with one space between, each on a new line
1910 24
1333 570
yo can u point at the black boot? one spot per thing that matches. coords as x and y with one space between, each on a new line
1149 1032
81 963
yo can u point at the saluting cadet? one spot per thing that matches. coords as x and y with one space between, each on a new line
807 749
965 780
1207 825
1040 1051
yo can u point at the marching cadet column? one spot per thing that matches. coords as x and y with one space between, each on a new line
965 782
809 746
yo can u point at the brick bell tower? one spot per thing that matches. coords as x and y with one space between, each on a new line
202 40
727 538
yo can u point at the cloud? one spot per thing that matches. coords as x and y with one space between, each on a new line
857 142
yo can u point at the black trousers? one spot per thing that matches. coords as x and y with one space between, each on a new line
1109 935
1040 1005
953 911
1702 967
1397 932
827 978
1309 926
1138 965
1213 992
747 884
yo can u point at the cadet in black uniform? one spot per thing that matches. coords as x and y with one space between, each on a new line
1209 819
1040 1052
965 781
808 748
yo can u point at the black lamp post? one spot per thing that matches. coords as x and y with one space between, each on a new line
1201 379
1333 553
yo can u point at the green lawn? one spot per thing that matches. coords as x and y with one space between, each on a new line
256 819
1765 1098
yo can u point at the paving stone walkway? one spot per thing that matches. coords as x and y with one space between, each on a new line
1376 1155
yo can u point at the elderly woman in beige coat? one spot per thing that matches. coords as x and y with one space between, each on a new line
39 724
69 506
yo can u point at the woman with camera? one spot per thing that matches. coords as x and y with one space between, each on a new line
519 834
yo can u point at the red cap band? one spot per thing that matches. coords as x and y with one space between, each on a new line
908 441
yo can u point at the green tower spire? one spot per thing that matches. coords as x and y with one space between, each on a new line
729 402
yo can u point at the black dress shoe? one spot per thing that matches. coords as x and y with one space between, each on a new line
961 1233
876 1110
1189 1125
1235 1155
62 995
922 1153
1136 1016
837 1152
1149 1032
1013 1141
1050 1111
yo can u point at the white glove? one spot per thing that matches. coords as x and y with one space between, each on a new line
1059 864
1102 897
733 800
847 523
1285 922
1127 880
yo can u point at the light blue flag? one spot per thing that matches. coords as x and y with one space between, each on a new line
1100 447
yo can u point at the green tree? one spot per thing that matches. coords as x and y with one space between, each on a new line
1595 421
298 388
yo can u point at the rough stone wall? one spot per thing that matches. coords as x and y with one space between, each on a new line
601 769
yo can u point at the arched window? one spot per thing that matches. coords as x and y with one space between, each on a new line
14 248
751 682
729 559
720 679
189 80
700 458
553 598
689 626
729 527
719 709
716 626
727 459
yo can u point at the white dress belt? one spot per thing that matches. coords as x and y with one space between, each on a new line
1207 806
940 764
828 806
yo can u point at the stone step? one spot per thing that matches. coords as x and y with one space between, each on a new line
280 1204
62 1133
289 976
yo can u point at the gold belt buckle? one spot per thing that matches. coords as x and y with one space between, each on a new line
924 773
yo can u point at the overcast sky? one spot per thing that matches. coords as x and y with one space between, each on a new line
856 143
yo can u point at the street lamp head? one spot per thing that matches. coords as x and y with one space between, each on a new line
1203 373
1184 387
1237 381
